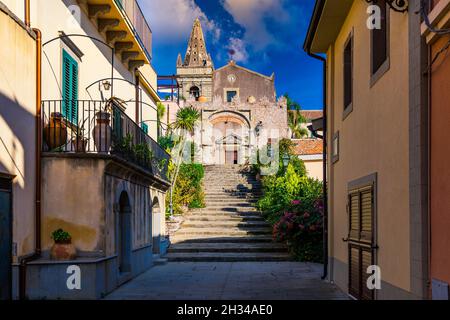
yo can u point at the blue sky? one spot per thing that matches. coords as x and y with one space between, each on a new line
267 36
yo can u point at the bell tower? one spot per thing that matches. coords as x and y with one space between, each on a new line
195 72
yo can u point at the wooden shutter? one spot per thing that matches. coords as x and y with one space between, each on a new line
145 128
70 88
354 271
117 123
354 214
366 255
366 215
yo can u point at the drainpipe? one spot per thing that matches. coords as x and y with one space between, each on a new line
27 13
325 187
38 195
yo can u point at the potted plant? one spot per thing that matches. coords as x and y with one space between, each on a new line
62 249
102 131
79 142
55 132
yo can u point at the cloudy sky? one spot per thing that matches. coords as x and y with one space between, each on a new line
266 35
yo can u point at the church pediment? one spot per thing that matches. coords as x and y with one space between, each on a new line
230 139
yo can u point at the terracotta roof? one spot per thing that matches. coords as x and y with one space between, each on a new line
311 114
306 147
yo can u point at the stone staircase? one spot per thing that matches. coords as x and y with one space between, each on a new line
230 228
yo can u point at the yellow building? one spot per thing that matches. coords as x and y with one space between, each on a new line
80 112
375 120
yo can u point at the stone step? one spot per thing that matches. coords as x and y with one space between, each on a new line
228 257
212 217
175 239
226 224
224 212
228 247
225 231
216 199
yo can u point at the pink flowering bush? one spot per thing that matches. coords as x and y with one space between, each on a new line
301 227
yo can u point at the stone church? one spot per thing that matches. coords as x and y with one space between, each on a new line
239 108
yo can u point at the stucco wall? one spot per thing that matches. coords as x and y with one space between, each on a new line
440 170
314 168
17 125
373 139
247 83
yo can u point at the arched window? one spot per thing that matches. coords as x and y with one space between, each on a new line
194 92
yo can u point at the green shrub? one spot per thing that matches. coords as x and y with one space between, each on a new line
188 191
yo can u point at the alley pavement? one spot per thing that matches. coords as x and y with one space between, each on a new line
230 281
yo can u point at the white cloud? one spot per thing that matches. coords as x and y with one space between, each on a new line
253 16
172 20
239 48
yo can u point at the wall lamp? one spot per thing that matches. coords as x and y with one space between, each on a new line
396 5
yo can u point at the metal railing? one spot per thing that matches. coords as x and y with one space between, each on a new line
85 126
139 24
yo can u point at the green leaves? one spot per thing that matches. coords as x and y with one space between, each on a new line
187 117
61 236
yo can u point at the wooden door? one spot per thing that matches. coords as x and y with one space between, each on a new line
5 238
361 247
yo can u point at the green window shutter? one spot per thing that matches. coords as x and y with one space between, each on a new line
117 123
145 128
70 88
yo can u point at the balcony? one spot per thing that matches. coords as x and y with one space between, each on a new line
101 129
124 27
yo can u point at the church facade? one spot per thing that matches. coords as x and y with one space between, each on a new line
240 112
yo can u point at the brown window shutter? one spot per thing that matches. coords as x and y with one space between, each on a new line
354 271
367 214
354 214
366 261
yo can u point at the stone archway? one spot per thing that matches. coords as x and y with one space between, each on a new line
124 239
230 137
156 226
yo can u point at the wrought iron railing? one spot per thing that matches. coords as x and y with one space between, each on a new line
138 23
85 126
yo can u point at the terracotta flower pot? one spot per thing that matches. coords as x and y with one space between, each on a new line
63 251
55 132
102 132
79 144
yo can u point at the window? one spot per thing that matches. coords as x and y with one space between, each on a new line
194 92
145 128
335 148
348 75
230 95
379 39
70 88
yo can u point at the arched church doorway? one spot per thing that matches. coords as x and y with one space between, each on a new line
156 229
124 234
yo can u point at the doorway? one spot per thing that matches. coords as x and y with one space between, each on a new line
124 234
361 241
231 157
156 229
5 238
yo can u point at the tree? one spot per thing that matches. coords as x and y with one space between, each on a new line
186 120
295 119
161 111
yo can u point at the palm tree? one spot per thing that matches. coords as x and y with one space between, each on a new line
295 119
186 120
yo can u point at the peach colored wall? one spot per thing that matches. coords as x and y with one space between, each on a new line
17 125
374 138
440 169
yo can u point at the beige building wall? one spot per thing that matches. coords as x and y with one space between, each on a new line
372 139
17 124
314 168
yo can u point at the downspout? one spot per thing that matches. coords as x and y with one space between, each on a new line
38 178
137 79
325 187
27 13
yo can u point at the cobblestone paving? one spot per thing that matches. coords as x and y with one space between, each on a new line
229 281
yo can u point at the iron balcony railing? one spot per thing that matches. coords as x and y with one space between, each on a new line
85 126
138 23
